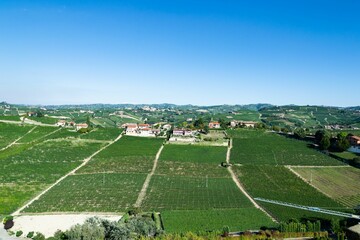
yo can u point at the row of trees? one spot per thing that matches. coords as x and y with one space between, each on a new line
326 141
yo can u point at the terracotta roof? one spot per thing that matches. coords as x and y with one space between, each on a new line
214 123
144 125
356 137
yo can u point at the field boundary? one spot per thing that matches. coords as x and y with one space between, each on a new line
85 161
239 185
143 191
14 142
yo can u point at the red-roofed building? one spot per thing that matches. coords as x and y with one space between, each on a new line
214 125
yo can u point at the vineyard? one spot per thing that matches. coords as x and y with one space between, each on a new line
207 220
341 184
259 147
278 183
129 155
91 193
33 166
11 132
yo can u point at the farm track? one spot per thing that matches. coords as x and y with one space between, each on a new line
14 142
239 185
85 161
147 180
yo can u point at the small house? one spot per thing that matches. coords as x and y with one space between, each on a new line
81 125
214 125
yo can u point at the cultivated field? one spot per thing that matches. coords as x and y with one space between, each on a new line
10 132
341 184
30 168
259 147
278 183
207 220
91 193
174 193
128 155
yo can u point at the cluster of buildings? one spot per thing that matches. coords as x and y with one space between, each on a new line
143 129
236 123
78 126
338 127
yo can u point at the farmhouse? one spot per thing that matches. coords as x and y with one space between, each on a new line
81 125
354 140
131 128
355 143
214 125
61 123
143 126
236 123
178 132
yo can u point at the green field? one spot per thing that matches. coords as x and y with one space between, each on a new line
37 134
128 155
10 132
238 219
30 168
110 182
102 134
46 120
175 193
258 147
341 184
198 154
278 183
91 193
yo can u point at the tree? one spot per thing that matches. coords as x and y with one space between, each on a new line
342 143
199 123
300 133
324 143
320 134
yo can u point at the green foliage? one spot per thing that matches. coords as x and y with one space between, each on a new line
320 134
176 193
128 155
300 133
30 235
10 132
7 218
29 171
324 143
295 226
18 233
278 183
109 192
193 153
213 220
342 143
258 147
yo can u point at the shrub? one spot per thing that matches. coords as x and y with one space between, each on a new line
39 236
30 235
19 233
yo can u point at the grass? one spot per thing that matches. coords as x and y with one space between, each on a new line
185 193
91 193
129 154
258 147
278 183
238 219
28 170
191 153
341 184
10 132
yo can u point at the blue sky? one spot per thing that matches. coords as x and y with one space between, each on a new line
180 51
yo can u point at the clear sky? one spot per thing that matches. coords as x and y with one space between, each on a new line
180 51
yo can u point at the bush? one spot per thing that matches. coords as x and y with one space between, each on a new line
39 236
7 218
19 233
30 235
